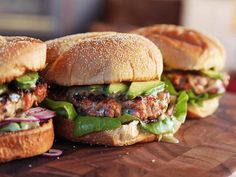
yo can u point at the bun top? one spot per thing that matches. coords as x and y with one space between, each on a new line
184 48
19 55
102 58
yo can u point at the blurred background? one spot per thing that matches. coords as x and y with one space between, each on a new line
47 19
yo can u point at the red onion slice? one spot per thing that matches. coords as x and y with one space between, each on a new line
37 114
35 110
4 123
41 113
53 153
15 119
44 115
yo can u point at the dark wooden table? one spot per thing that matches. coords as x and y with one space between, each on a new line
207 148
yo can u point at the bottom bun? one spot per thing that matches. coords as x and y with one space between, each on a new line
26 143
208 108
123 136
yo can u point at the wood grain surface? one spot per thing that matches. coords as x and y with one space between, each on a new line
207 148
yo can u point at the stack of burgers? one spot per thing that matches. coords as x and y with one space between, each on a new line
105 88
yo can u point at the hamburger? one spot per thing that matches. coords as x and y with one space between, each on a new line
106 89
24 131
192 62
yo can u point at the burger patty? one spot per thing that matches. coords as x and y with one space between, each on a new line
21 100
147 108
199 84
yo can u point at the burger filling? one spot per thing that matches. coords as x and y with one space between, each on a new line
16 98
199 85
146 108
106 107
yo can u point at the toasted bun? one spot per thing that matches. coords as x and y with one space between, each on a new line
26 143
102 58
184 48
20 54
123 136
208 108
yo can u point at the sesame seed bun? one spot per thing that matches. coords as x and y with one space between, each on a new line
185 49
19 55
26 143
102 58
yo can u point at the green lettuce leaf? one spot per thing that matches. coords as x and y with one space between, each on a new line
62 108
162 126
126 118
169 86
180 111
197 100
88 124
192 98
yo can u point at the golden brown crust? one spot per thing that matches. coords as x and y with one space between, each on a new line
184 48
26 143
20 54
125 135
100 58
208 108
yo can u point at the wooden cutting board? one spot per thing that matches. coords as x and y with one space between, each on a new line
207 148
